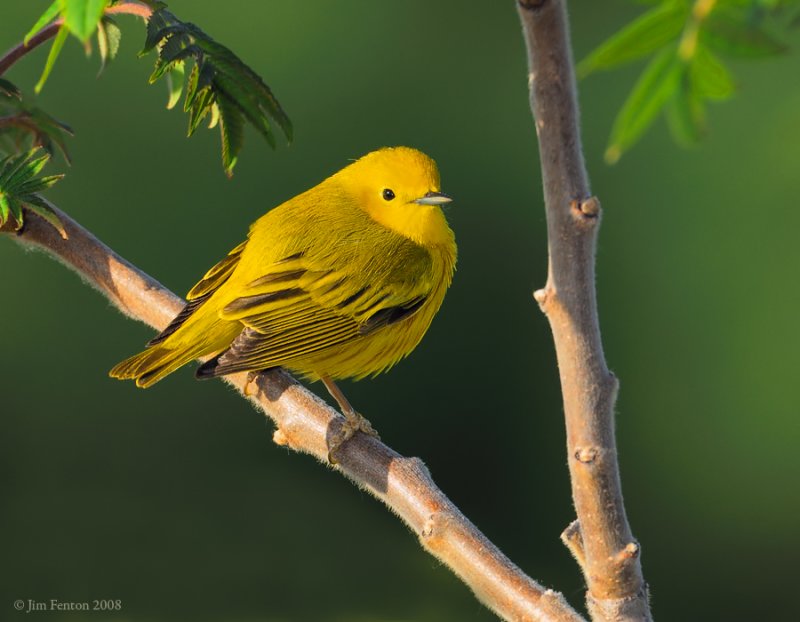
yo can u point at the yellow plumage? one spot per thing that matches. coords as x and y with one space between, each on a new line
341 281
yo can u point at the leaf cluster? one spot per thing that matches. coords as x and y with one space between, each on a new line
685 42
219 86
20 187
81 18
24 125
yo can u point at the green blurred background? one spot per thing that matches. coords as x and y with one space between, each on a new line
175 499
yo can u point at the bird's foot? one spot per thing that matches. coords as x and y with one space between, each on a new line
353 422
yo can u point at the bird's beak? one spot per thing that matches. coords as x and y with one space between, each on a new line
433 198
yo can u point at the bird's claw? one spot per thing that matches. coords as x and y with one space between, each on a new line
353 422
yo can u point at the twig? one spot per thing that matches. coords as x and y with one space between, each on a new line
49 31
306 424
601 540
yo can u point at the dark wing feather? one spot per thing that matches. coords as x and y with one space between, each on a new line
201 292
189 308
217 275
305 304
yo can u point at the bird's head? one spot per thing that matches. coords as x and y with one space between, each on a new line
399 188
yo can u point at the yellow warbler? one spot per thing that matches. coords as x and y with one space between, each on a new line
341 281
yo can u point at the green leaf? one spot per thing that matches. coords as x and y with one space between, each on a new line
55 50
16 211
655 86
686 114
50 131
201 78
82 16
731 32
644 35
39 184
155 25
231 124
9 89
27 169
175 79
108 38
217 74
20 187
48 16
243 100
10 166
200 108
709 77
5 209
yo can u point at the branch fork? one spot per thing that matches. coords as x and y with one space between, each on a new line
600 540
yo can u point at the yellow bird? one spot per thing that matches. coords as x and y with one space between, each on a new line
342 281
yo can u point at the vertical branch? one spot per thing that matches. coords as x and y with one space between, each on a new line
601 538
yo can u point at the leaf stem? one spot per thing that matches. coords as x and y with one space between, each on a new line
688 45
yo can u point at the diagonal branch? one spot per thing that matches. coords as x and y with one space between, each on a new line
306 424
601 538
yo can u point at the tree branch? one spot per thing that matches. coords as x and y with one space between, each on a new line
306 424
601 539
50 31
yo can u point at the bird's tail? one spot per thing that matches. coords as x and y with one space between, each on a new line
153 364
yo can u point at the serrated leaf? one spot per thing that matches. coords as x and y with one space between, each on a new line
108 38
655 86
201 78
11 165
24 172
231 124
243 100
730 32
9 89
20 187
217 74
55 50
229 64
82 16
16 211
38 184
163 65
114 37
175 79
155 24
643 36
48 16
709 77
203 102
173 40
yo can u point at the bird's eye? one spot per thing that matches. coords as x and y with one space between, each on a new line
388 194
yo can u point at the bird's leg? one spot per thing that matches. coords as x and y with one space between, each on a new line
353 421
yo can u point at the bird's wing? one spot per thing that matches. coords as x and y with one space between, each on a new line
301 306
201 292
